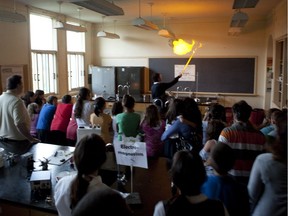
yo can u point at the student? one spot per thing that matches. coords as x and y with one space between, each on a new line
40 98
116 109
61 120
244 139
83 108
270 121
128 122
102 120
89 155
267 185
153 126
33 111
188 174
222 186
102 201
28 97
45 118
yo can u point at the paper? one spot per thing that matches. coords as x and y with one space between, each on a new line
131 152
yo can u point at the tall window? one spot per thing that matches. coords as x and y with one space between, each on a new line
43 53
75 59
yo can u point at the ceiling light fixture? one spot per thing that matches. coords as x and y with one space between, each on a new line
165 32
58 24
144 24
101 6
244 4
239 19
234 31
12 16
109 35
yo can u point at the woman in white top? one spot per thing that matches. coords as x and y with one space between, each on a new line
83 107
89 155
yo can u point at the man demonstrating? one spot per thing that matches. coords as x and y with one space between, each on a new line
15 134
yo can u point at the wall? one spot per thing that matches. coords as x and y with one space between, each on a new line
137 45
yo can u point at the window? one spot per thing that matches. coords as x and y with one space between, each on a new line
43 53
75 59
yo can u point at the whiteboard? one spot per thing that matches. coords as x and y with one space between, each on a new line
7 71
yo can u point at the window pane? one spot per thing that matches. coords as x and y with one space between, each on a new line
75 41
42 34
75 70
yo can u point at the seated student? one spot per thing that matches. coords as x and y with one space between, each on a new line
102 201
89 155
188 174
101 119
270 121
61 120
45 118
153 126
222 186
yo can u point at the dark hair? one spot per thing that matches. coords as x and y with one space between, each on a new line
39 93
82 95
242 111
222 158
128 101
89 155
51 99
156 77
279 148
102 201
174 109
117 108
217 111
66 99
214 129
270 112
27 97
99 104
13 82
188 172
152 116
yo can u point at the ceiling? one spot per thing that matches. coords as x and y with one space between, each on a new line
155 10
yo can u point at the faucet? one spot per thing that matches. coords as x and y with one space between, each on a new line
127 88
178 89
118 91
187 89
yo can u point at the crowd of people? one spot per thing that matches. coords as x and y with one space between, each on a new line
227 169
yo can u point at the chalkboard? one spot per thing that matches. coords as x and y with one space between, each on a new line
217 75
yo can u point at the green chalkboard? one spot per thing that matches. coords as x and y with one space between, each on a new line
217 75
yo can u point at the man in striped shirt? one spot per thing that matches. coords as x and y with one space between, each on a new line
244 139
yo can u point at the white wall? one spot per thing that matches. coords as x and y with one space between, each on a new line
136 46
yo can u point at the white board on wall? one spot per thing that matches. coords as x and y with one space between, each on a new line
9 70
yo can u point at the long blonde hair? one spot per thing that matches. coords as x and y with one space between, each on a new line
32 109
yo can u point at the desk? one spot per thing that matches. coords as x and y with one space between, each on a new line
15 195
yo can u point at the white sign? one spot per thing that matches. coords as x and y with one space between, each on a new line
189 73
131 152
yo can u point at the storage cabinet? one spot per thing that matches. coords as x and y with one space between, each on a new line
280 79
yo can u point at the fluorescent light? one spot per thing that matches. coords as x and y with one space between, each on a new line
239 19
166 33
109 35
244 4
101 6
8 16
144 24
68 27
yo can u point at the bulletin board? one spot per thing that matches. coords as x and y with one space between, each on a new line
10 70
211 75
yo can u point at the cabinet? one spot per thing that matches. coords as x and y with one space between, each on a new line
280 79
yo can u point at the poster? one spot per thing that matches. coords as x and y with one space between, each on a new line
131 152
189 73
7 71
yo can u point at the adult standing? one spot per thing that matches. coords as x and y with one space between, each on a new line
159 88
244 139
14 119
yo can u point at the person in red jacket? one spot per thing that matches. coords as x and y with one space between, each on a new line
61 120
